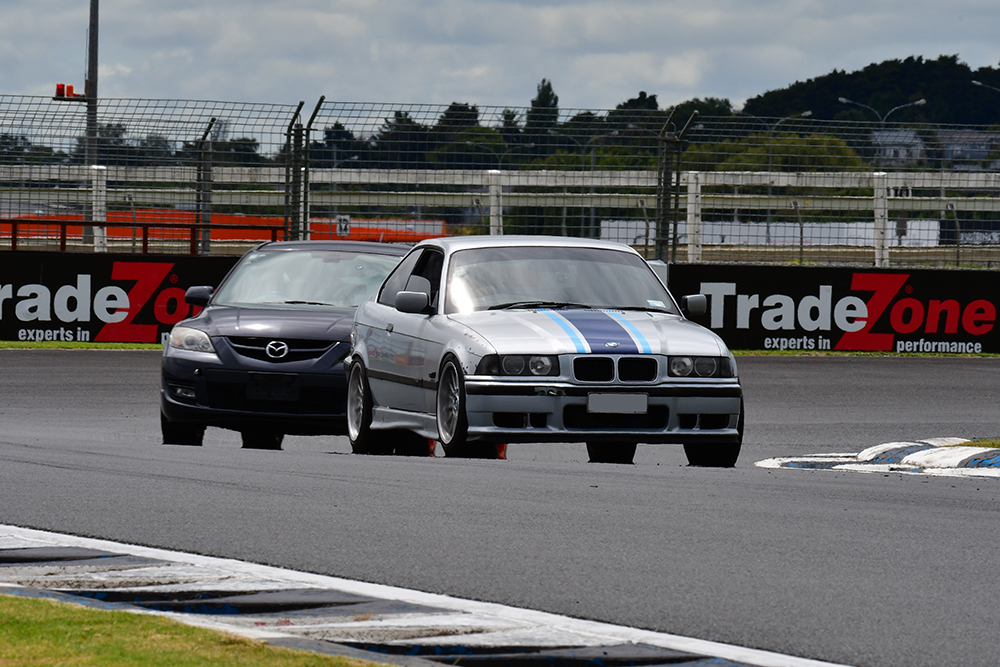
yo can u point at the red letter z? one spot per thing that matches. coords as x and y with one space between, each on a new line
885 286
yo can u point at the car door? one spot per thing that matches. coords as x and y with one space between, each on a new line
417 363
386 351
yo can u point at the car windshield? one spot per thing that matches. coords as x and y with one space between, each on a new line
552 277
305 278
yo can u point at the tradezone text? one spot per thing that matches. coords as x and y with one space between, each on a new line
798 343
60 334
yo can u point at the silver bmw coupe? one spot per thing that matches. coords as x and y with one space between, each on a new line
474 341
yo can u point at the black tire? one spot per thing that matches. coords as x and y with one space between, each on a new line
181 433
359 415
611 452
452 421
407 443
262 439
717 455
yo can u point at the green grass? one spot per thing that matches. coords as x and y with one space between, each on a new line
62 345
46 633
989 442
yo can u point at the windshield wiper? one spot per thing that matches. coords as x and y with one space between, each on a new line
538 304
658 309
304 303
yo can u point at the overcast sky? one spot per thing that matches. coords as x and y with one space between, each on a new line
486 52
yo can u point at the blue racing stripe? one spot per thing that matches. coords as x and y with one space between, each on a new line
600 329
643 343
570 331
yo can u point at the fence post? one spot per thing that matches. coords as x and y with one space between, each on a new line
496 202
204 195
306 227
295 205
664 192
99 205
880 182
694 216
291 169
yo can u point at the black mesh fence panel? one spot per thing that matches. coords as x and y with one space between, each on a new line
164 175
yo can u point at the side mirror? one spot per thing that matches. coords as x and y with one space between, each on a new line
199 295
411 302
694 305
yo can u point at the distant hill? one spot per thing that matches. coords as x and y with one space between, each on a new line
946 84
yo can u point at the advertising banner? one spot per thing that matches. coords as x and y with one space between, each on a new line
99 297
815 308
137 298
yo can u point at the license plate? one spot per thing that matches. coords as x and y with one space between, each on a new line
624 404
273 387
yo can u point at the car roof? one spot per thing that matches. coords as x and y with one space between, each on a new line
454 243
346 246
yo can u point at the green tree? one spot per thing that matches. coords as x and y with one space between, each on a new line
762 151
338 148
642 101
155 149
402 143
510 128
542 117
710 106
945 82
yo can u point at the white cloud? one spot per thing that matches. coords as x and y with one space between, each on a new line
488 52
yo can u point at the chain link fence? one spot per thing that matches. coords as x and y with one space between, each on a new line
169 175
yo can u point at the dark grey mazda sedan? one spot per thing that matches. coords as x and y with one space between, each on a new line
265 354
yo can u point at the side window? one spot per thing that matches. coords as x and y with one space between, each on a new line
396 282
429 267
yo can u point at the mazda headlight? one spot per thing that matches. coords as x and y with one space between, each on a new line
194 340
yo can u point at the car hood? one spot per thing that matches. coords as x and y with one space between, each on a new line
579 331
278 322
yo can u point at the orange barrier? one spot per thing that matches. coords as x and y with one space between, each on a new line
162 224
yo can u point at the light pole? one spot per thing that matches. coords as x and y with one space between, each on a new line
337 163
499 155
983 85
583 164
495 182
882 119
770 156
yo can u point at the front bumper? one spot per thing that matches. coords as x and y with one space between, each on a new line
199 388
676 412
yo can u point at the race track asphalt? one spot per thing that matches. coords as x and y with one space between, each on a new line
838 566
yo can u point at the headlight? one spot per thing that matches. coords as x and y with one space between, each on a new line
681 366
195 340
542 365
517 364
705 367
512 365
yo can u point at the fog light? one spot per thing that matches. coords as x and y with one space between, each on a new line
183 392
